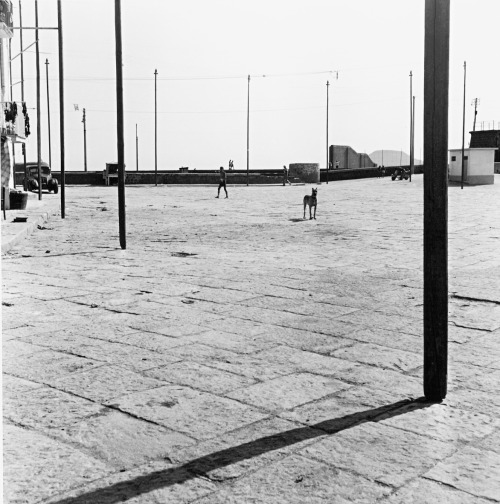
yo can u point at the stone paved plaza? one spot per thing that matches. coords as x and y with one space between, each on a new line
236 353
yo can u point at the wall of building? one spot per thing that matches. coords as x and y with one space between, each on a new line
478 167
348 158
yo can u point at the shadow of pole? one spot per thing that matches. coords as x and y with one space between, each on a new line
128 489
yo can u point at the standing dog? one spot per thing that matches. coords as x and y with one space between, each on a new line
312 201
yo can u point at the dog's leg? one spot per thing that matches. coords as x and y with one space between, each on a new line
314 212
305 204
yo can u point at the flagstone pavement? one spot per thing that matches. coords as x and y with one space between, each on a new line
235 352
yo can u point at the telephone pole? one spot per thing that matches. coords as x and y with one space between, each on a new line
411 123
248 130
476 102
463 129
156 136
48 108
327 164
84 121
136 149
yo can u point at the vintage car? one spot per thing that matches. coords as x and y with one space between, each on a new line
401 173
48 181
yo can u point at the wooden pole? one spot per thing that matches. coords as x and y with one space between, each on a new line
84 121
48 108
61 110
463 131
156 136
436 80
136 149
411 122
248 130
327 163
119 123
38 122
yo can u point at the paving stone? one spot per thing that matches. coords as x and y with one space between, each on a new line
237 326
106 382
379 452
474 314
51 467
445 423
48 409
123 441
423 491
151 483
298 480
197 414
46 366
471 470
476 401
287 391
391 339
12 386
200 377
229 341
376 355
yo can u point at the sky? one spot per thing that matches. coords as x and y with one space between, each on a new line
204 50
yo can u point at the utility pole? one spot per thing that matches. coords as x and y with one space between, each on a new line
136 149
248 130
476 102
119 124
156 136
61 109
327 163
436 84
48 108
25 185
84 121
411 123
463 131
412 161
38 125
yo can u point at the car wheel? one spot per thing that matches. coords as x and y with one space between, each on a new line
56 189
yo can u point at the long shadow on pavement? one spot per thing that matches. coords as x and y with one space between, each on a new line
124 490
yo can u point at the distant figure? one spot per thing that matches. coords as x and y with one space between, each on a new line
222 182
337 164
231 164
285 175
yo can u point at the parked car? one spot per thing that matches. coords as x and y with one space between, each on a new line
48 181
401 173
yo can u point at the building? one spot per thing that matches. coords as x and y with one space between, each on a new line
478 165
14 120
487 138
344 157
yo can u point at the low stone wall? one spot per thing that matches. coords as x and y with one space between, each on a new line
305 172
313 176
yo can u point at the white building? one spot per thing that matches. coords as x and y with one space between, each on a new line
479 166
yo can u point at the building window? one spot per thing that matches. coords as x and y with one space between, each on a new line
466 157
453 158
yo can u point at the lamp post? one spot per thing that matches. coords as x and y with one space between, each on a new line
463 131
48 108
61 109
38 125
411 123
327 163
248 130
136 150
119 125
156 136
84 121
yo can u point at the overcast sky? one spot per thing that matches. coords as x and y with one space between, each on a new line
205 49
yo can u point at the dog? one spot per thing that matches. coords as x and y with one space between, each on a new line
312 201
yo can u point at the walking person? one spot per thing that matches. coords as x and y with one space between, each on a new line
285 175
222 182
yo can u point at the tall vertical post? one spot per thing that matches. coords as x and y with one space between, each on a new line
38 124
412 162
248 130
463 131
25 179
84 121
61 110
119 125
436 81
327 160
136 149
156 134
411 122
48 108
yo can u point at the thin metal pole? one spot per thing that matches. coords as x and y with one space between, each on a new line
10 67
38 125
84 121
412 169
463 131
61 110
156 134
22 50
411 121
436 84
327 164
119 125
136 149
248 131
48 108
